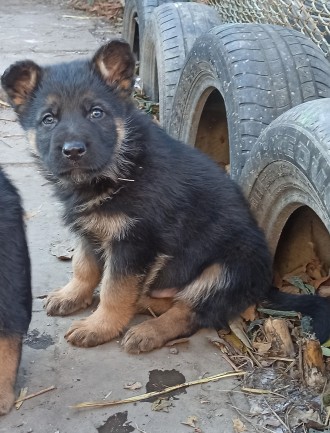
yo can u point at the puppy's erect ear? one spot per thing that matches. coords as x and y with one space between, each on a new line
19 81
116 64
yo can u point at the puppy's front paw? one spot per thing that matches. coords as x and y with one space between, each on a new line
7 398
142 338
91 331
63 302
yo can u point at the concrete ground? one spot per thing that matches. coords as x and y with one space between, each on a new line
48 32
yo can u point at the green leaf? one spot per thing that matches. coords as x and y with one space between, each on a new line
307 289
278 312
326 344
325 351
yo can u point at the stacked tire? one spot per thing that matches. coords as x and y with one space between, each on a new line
169 37
289 169
136 15
260 71
255 98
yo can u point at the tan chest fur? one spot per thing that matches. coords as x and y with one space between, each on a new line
104 228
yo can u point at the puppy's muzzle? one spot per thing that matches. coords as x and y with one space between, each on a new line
74 150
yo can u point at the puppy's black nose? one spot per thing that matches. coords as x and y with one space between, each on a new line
74 149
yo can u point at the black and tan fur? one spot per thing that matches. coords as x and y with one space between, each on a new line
15 290
159 224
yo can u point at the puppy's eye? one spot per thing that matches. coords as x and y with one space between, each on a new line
48 119
96 113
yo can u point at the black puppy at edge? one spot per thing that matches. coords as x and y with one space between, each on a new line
159 224
15 290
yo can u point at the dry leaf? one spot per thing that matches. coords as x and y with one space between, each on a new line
262 348
314 269
324 291
233 344
249 314
191 421
277 332
161 405
22 394
238 328
313 364
222 345
325 281
298 272
297 416
293 290
133 385
304 287
239 427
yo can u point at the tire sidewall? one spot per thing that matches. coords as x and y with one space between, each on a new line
289 167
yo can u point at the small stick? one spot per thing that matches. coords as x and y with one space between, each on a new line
300 363
177 341
253 357
151 312
35 394
158 393
322 393
287 413
261 391
278 417
230 362
276 358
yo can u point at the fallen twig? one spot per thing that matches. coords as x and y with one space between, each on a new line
35 394
76 17
230 362
261 391
151 312
158 393
278 417
177 341
253 357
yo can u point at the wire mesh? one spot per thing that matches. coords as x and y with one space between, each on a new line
311 17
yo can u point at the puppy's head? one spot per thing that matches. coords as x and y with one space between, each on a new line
74 113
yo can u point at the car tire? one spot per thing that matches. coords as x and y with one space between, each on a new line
172 31
136 14
259 70
289 168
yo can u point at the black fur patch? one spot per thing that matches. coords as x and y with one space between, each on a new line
15 290
15 280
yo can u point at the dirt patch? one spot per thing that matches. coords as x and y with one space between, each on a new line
38 341
116 423
160 379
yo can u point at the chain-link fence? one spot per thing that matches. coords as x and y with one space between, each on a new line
311 17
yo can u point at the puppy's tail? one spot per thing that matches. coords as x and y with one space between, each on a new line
316 307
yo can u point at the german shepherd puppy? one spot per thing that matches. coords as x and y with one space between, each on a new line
15 290
159 224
